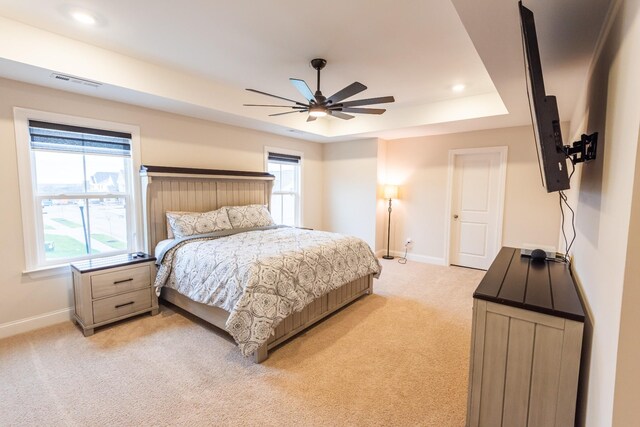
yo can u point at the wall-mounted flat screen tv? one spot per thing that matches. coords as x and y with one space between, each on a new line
552 159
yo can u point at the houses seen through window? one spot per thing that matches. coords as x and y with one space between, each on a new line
82 191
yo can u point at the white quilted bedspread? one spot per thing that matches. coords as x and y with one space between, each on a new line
262 276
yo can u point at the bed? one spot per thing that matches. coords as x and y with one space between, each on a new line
167 189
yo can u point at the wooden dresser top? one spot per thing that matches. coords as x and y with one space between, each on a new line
96 264
546 287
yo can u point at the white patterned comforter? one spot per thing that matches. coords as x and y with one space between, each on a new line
260 277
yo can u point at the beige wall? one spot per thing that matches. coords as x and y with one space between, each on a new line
350 172
627 392
166 139
606 250
381 205
420 166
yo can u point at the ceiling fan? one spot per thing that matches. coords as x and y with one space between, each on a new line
320 106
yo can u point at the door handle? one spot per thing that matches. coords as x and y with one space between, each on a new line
455 216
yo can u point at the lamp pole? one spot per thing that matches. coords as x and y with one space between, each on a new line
387 256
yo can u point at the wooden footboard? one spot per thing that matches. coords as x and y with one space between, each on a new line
317 310
314 312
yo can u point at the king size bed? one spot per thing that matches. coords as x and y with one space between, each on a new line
222 259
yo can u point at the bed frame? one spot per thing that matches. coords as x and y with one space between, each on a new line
201 190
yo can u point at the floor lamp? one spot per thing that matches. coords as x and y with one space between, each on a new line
390 192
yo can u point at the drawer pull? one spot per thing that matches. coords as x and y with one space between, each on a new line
122 281
125 304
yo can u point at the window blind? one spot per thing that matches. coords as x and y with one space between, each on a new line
284 158
76 139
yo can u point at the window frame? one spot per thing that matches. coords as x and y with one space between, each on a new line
30 202
298 195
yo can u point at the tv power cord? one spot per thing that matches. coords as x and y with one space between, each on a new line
403 259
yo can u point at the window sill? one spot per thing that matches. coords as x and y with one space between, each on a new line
48 271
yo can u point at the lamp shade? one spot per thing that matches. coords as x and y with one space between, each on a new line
390 191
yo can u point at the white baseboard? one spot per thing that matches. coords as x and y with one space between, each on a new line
425 259
36 322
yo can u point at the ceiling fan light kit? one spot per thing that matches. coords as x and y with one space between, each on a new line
317 111
319 105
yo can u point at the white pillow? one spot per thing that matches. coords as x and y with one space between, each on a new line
161 245
183 224
249 216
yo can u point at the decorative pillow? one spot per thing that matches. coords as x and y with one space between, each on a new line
249 216
173 214
183 224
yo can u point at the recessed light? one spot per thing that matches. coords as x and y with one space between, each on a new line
83 17
457 88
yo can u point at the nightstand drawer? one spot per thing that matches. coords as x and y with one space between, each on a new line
106 284
121 305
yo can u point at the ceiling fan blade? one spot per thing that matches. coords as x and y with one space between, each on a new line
340 115
303 88
368 101
364 110
269 105
353 89
286 112
311 118
276 96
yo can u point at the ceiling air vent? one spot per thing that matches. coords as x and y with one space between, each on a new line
76 80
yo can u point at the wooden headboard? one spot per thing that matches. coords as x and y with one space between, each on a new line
195 190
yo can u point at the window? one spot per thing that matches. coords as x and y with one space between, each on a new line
285 199
76 185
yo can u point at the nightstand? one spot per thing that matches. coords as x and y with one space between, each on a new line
109 289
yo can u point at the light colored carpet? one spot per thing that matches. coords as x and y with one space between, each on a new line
398 357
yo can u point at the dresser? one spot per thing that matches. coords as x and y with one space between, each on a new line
113 288
526 344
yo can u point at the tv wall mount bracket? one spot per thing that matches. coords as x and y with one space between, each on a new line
583 150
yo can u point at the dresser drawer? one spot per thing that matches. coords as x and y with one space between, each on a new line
116 282
121 305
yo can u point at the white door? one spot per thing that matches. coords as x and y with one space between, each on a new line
476 217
